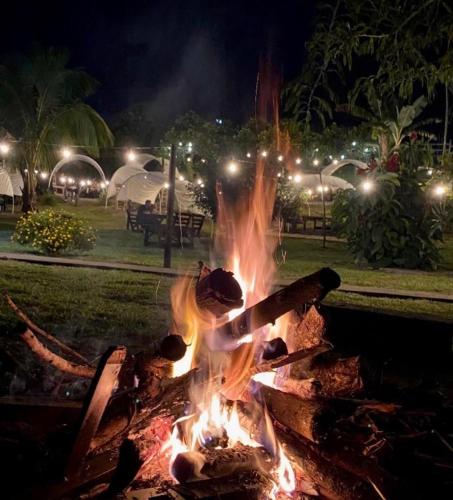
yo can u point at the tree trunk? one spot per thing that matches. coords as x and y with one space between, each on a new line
444 146
29 191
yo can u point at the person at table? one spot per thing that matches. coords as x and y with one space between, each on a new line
145 218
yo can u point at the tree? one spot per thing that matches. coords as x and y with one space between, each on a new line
41 103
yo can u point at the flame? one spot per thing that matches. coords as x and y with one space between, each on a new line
246 245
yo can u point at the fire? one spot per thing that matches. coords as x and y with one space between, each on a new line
246 246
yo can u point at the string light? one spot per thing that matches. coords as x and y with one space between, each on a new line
342 157
367 186
298 178
279 174
309 192
180 144
63 179
430 171
354 143
290 177
280 158
102 185
166 185
335 162
4 148
83 183
89 183
298 161
440 190
264 154
66 152
181 177
319 189
44 175
131 156
232 167
202 185
249 155
315 162
189 158
199 182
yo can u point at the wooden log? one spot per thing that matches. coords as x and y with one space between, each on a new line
311 419
306 329
308 290
218 292
309 388
47 356
330 480
215 463
39 331
338 376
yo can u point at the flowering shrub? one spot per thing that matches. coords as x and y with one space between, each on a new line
52 232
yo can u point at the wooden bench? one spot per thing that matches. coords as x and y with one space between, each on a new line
132 224
186 227
305 221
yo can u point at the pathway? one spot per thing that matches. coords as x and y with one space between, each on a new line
163 271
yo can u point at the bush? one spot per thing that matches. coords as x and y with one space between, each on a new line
391 226
48 200
52 232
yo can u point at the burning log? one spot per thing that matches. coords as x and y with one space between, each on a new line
309 388
308 290
306 330
216 463
47 356
311 419
218 292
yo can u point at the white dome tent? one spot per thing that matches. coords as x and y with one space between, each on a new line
11 184
334 166
313 181
73 158
148 185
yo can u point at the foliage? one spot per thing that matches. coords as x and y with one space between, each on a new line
289 200
52 232
392 225
41 102
395 47
48 199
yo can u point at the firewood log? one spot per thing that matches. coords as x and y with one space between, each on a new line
308 290
306 329
39 331
311 419
47 356
219 292
338 376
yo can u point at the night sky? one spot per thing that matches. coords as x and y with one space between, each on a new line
171 56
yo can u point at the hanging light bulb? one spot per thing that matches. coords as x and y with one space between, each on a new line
298 161
249 155
181 177
264 154
4 148
131 156
166 185
232 167
297 178
66 152
280 158
315 162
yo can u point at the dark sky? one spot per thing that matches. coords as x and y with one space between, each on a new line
172 56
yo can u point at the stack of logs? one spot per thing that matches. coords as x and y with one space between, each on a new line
318 388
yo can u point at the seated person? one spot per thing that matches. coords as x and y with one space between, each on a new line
145 218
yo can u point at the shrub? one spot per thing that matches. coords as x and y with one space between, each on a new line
48 200
393 225
52 232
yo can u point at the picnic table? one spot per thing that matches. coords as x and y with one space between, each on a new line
302 224
186 226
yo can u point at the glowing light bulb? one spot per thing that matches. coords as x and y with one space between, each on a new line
131 156
4 148
202 185
315 162
354 143
279 174
180 144
298 161
319 189
102 185
440 190
166 185
189 159
89 183
264 154
44 175
430 171
199 182
83 183
280 158
63 179
342 157
232 167
66 152
367 186
297 178
309 192
181 177
290 177
335 162
249 155
107 183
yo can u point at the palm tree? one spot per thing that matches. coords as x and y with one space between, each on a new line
41 104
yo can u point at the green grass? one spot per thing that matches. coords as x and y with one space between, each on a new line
90 309
295 257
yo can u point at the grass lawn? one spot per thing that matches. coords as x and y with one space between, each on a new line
295 256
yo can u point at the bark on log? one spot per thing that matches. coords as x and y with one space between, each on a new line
53 359
311 419
308 290
339 377
306 330
36 329
216 463
219 292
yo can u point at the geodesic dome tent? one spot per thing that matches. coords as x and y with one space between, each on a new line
11 183
313 181
149 185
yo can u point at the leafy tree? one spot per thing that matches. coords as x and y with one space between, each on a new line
391 226
41 103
